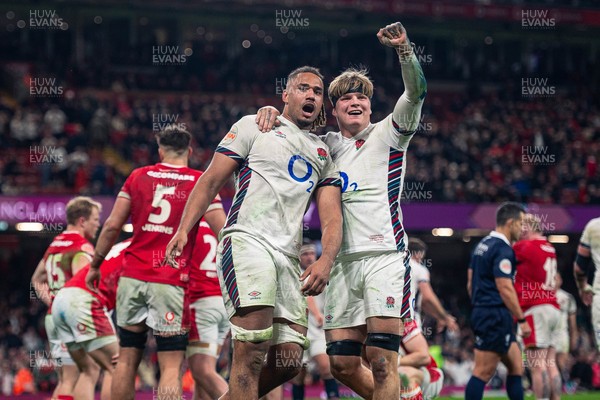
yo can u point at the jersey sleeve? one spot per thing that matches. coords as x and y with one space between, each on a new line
86 249
393 133
330 175
238 141
504 263
586 236
125 191
424 276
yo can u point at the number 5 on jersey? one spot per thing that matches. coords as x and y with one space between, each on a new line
160 202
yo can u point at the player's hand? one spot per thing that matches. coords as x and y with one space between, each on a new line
393 35
316 276
92 279
448 323
266 118
175 249
587 295
525 329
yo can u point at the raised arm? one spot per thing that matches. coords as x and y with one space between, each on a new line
407 111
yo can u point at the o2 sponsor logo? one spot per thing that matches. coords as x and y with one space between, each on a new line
298 177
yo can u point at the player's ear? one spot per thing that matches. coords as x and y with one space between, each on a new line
190 151
284 96
334 112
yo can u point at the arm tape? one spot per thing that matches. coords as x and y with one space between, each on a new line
583 262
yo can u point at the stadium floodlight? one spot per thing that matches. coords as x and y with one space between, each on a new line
558 238
128 228
29 226
442 231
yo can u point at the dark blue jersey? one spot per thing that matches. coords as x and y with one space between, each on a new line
492 258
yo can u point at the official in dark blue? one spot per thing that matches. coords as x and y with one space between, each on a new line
495 305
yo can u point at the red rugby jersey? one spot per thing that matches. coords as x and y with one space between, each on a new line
158 195
58 258
110 270
536 273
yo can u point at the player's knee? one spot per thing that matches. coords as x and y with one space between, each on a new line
324 370
484 374
171 342
256 336
381 368
202 370
344 356
386 341
91 369
344 348
290 371
132 339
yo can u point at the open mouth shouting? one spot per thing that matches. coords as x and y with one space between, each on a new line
308 110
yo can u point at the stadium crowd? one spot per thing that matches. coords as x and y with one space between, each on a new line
537 150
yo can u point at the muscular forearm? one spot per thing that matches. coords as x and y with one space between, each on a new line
432 306
415 85
331 241
200 198
580 277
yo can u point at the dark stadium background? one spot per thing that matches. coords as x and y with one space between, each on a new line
82 88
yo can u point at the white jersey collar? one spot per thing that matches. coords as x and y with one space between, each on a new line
171 165
359 135
292 125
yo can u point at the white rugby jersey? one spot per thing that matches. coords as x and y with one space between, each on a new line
372 171
279 172
590 238
418 273
567 305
